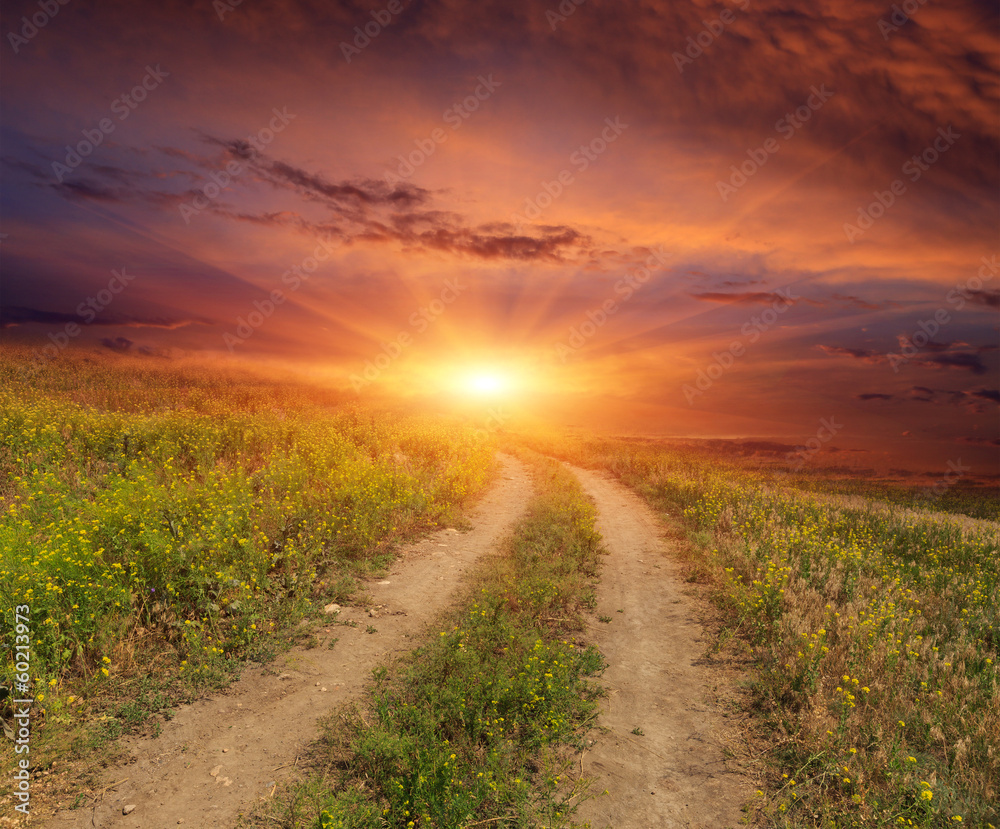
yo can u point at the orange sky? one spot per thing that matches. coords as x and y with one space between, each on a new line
674 217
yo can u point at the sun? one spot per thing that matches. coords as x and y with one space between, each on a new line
486 384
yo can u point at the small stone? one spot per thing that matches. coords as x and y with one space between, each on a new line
215 772
373 614
331 608
322 689
225 751
181 820
127 810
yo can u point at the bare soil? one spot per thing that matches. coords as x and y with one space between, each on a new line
217 756
679 771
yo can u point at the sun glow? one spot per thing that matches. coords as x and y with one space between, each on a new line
485 383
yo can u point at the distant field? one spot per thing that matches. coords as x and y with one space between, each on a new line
873 628
155 516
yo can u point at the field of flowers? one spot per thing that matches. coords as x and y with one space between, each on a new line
151 514
477 727
874 632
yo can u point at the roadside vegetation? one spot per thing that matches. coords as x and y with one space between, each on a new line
873 631
481 725
163 524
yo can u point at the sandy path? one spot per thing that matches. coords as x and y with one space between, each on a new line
675 775
217 756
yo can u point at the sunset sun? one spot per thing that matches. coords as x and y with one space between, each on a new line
485 383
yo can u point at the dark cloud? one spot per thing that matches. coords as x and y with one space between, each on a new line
978 441
991 299
771 297
957 355
992 395
858 302
119 344
957 360
863 354
13 315
746 298
873 396
971 399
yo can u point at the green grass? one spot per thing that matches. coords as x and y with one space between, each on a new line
873 635
179 521
479 725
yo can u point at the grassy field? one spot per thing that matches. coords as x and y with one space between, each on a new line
873 632
479 726
157 520
165 524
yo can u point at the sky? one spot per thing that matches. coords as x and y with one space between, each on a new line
760 218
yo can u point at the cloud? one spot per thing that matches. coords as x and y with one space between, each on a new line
863 354
991 299
930 345
971 399
771 297
992 395
13 315
746 297
957 355
363 211
858 302
957 360
978 441
873 396
119 344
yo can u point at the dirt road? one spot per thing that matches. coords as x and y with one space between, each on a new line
673 774
218 755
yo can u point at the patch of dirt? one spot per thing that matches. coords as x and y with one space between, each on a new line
678 772
217 756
